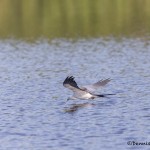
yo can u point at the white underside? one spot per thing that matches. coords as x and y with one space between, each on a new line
86 96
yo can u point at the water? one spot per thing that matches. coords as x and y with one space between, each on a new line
33 109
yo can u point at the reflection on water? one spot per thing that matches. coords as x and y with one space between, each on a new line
69 18
34 114
75 107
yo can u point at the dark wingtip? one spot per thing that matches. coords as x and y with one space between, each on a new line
70 80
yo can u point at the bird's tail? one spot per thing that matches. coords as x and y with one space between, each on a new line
104 95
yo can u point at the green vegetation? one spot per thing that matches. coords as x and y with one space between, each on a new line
74 18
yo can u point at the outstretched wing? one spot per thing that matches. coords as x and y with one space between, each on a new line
71 84
95 86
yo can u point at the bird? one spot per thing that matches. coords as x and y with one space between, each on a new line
85 92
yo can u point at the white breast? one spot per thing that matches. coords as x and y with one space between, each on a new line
86 96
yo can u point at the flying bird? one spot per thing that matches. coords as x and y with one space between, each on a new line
85 92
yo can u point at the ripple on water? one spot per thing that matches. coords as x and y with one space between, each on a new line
34 112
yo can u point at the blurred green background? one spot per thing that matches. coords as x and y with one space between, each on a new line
74 18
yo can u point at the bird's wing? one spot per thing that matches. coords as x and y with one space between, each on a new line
95 86
71 84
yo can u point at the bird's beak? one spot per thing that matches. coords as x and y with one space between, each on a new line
68 99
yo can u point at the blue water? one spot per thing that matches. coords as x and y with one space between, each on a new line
34 114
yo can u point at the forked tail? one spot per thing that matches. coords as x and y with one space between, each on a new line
104 95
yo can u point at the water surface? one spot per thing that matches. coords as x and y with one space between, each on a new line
34 112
